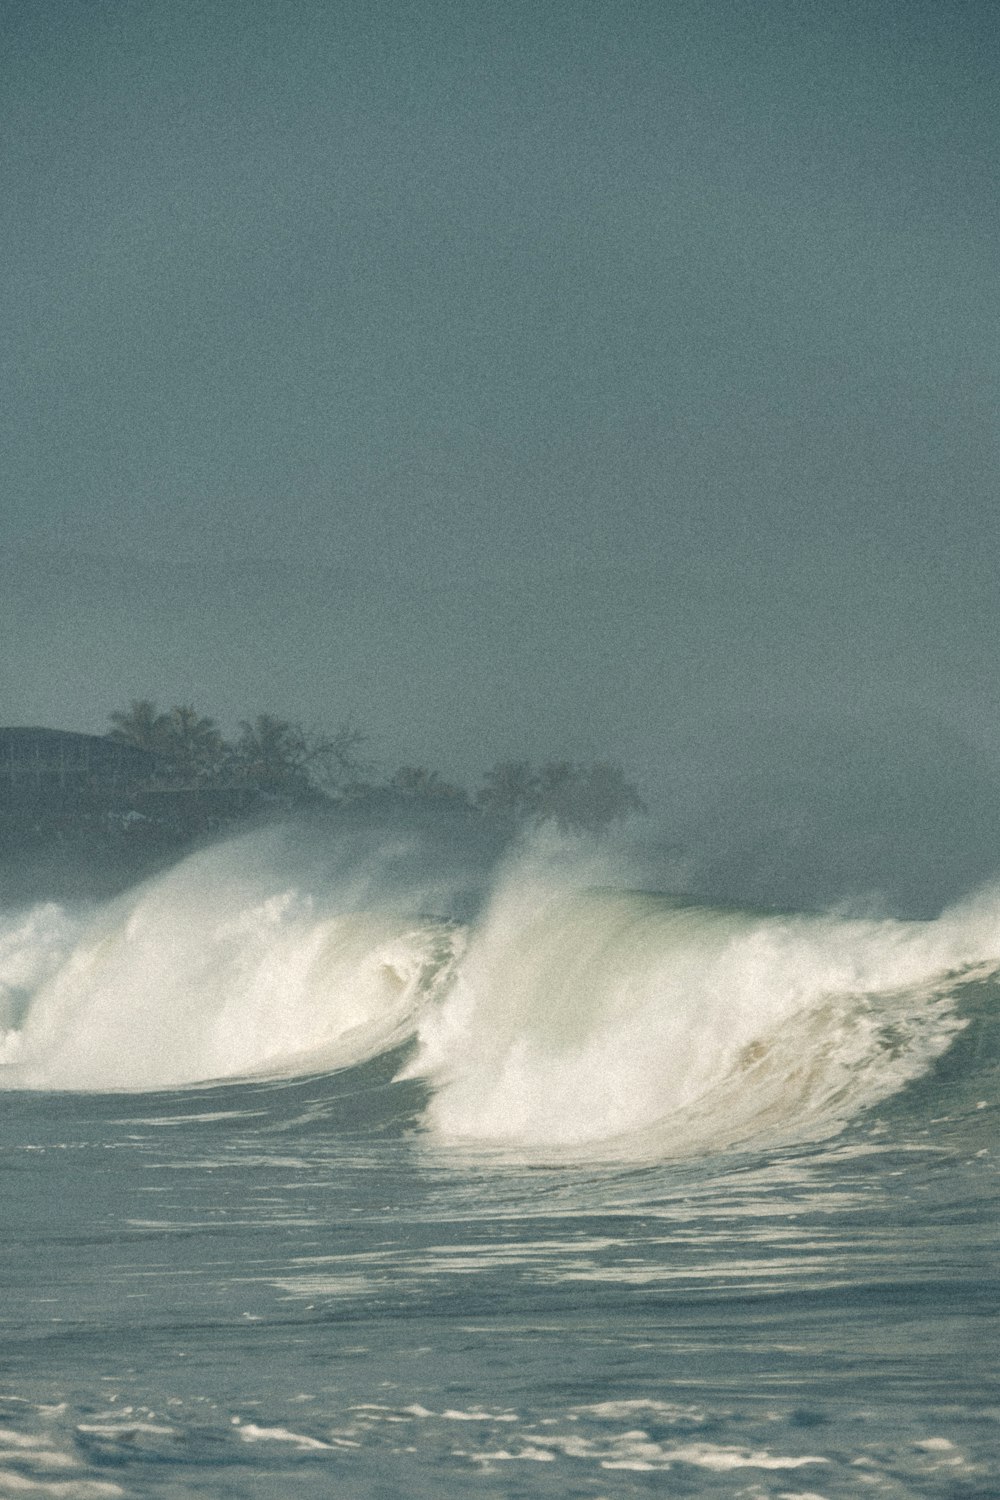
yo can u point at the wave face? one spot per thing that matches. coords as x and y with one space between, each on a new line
566 1016
217 970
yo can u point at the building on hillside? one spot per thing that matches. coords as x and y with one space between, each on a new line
56 769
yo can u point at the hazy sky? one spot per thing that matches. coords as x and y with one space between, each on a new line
553 377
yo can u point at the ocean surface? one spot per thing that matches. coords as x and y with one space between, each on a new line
369 1172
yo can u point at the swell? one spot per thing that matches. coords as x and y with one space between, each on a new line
626 1021
566 1016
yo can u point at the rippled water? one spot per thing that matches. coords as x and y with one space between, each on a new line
265 1290
304 1285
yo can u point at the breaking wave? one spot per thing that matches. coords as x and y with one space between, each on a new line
565 1015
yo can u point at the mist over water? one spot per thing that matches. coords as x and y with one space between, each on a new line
546 1002
568 382
875 811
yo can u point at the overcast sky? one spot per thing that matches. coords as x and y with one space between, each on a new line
559 378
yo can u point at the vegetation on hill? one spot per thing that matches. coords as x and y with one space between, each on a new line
193 783
274 758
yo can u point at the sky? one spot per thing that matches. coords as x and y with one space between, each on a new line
582 378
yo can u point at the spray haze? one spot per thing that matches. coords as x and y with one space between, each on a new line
560 1015
540 381
526 397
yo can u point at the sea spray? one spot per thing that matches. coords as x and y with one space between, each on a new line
568 1015
631 1022
225 967
34 944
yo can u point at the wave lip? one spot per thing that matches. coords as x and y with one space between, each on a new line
624 1023
568 1018
193 979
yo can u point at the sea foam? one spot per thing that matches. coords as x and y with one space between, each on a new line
567 1016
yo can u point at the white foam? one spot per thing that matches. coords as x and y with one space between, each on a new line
635 1450
125 1429
571 1018
251 1433
663 1411
474 1416
723 1459
33 946
218 970
58 1489
585 1016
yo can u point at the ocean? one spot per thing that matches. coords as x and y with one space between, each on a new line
370 1171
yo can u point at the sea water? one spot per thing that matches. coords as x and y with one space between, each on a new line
355 1178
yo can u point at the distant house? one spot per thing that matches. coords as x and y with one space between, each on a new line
56 769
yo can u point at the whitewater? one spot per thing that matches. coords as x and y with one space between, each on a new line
365 1165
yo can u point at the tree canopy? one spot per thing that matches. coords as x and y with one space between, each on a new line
589 797
273 757
188 745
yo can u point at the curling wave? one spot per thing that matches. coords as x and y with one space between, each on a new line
210 972
565 1017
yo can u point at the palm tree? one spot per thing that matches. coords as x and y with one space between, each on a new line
141 724
272 754
574 797
592 797
279 755
187 745
510 790
192 743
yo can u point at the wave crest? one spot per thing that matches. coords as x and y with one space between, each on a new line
568 1017
600 1016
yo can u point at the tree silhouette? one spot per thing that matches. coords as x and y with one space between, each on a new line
332 761
417 783
188 746
592 797
279 758
575 797
271 755
141 724
510 791
277 755
192 744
